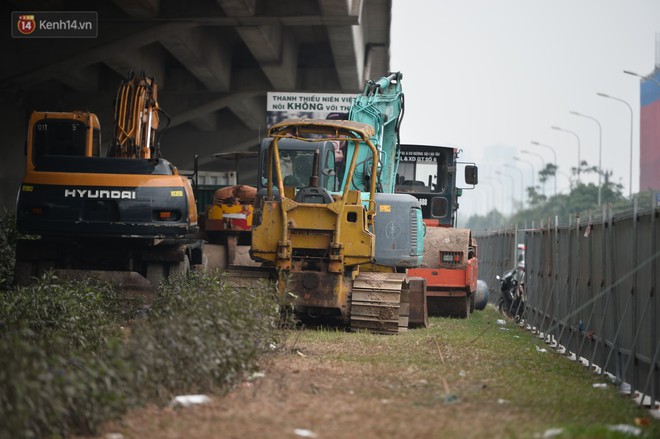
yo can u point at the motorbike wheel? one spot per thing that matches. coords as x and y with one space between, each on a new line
504 309
518 310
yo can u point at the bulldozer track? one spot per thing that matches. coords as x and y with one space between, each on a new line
379 303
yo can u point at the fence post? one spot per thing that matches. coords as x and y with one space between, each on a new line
555 284
654 315
567 288
599 335
590 251
573 263
615 349
633 289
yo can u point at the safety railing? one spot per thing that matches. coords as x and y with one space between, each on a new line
591 289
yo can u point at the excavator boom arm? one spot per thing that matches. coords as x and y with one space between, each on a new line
136 119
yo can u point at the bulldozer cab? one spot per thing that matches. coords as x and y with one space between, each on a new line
303 221
297 161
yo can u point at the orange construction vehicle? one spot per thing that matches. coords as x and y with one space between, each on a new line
450 254
129 215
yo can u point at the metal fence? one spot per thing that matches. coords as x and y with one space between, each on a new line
591 286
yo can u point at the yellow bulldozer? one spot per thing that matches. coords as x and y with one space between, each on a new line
323 244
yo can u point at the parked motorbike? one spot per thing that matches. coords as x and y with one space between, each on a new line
512 293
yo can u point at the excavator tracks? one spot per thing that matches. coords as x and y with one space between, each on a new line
380 303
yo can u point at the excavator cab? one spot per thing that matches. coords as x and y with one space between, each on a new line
62 134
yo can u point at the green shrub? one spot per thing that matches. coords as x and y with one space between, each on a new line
49 391
201 334
8 236
82 312
60 358
66 365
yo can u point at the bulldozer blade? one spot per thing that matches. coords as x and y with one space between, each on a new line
249 278
376 303
418 315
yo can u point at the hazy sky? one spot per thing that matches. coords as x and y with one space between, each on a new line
490 76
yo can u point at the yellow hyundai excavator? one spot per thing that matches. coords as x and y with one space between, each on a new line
129 215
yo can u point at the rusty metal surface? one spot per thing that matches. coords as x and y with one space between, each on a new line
418 313
318 289
447 295
249 278
439 239
230 193
376 303
325 126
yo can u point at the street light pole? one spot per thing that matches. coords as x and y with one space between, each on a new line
522 185
524 151
600 149
554 153
578 142
648 78
631 134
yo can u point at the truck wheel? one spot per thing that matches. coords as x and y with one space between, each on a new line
216 256
155 273
23 272
203 267
181 268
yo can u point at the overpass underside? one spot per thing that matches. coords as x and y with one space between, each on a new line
214 62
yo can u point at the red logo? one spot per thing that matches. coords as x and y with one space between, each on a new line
26 24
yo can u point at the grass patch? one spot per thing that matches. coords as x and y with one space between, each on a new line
481 365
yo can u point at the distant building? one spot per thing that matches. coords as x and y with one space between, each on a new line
649 127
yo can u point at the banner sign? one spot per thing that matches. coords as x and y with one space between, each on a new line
288 105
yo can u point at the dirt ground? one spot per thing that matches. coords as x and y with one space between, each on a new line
308 392
452 380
